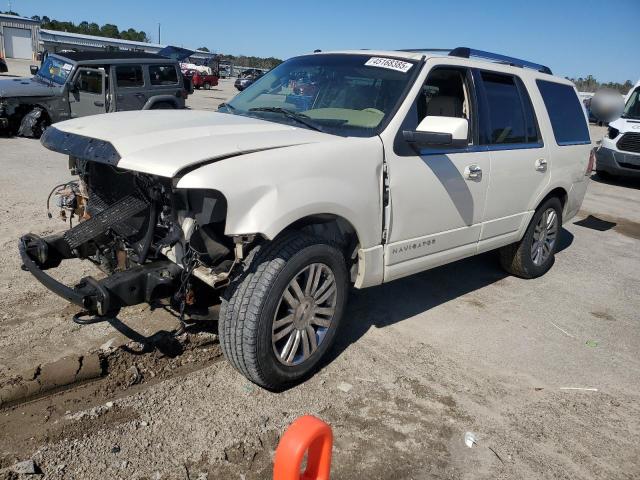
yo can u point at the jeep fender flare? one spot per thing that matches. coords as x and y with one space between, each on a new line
160 98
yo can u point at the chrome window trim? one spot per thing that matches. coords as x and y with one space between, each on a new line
480 148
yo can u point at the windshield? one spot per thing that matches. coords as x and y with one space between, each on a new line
632 109
348 95
55 70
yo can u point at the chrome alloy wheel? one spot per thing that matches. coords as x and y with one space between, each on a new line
544 237
304 314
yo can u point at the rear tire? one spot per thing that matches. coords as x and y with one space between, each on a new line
534 255
265 326
207 86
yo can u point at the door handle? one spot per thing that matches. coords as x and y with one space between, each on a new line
98 103
473 172
541 165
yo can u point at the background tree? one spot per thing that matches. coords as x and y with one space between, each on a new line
590 84
110 30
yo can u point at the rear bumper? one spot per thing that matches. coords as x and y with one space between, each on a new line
104 297
617 163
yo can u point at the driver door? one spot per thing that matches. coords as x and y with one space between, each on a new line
87 93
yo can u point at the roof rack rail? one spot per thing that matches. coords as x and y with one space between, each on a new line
420 50
465 52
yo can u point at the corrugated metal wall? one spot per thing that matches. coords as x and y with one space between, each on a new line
19 23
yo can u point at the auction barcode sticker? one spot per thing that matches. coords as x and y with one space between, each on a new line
389 63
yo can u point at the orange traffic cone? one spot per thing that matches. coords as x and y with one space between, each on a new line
306 434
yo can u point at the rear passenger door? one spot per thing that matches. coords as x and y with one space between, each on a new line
129 87
519 163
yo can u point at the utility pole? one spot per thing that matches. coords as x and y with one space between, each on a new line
159 33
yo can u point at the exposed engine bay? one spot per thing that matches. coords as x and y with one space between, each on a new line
154 242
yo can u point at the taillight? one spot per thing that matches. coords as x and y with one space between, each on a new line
592 161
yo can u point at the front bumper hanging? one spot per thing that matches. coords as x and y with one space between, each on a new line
105 297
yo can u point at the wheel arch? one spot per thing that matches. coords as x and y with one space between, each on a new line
330 226
336 228
160 99
559 192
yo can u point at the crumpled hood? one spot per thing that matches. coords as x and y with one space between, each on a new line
163 142
26 87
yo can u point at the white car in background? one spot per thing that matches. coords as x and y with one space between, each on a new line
380 165
619 152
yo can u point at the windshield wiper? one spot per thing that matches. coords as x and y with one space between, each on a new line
298 117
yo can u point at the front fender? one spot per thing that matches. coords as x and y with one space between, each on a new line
268 191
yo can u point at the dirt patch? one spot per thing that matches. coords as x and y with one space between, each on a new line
51 376
76 404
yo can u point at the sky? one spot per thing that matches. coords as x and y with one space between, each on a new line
573 37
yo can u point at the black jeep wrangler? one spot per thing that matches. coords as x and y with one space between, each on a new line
77 84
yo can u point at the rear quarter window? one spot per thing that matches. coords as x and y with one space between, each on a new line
163 75
565 113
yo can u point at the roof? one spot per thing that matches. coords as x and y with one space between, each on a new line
16 18
458 53
106 55
57 33
94 40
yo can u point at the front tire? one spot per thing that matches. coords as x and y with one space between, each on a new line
280 315
534 255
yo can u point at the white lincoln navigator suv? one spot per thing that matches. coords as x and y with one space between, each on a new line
333 170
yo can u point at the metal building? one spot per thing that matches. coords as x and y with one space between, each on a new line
19 37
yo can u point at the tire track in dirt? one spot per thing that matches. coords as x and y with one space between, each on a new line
52 416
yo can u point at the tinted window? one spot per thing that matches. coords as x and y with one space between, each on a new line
565 112
89 81
506 115
163 75
129 76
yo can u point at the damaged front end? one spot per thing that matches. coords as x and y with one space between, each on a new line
154 242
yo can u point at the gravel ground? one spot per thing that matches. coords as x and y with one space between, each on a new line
420 362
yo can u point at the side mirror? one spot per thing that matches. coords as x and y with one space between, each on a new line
34 69
73 87
436 131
